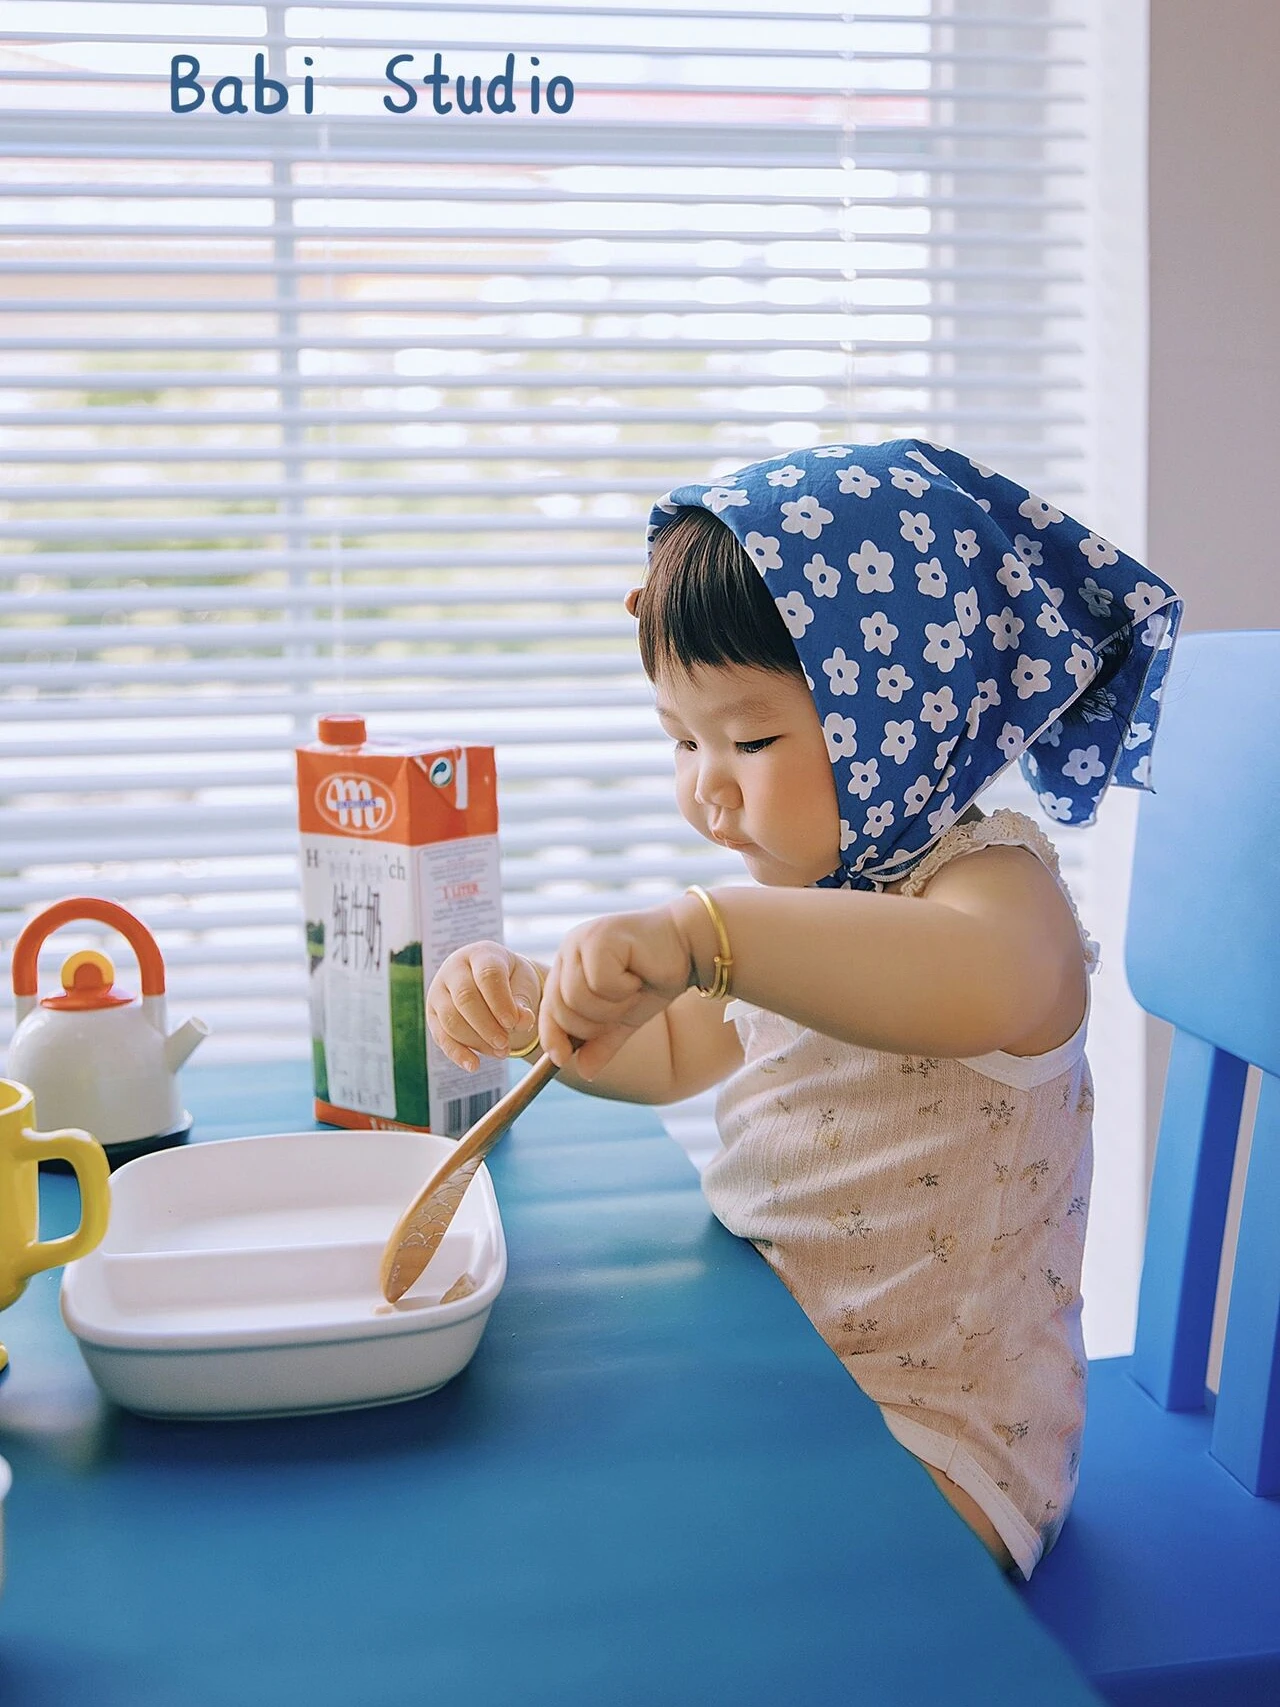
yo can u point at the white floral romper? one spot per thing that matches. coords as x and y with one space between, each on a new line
929 1217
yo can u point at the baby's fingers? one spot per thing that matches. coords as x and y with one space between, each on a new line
486 999
471 1011
555 1040
455 1038
571 1012
592 1057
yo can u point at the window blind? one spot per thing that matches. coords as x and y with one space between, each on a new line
364 411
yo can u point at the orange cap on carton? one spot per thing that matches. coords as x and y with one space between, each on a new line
342 731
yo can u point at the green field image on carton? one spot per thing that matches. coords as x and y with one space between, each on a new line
315 969
409 1035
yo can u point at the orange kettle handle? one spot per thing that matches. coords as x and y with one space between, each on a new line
140 939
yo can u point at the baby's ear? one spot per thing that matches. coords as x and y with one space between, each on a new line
631 600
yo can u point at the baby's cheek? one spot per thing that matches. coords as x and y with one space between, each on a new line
689 808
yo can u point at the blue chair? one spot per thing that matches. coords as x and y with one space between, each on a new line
1165 1583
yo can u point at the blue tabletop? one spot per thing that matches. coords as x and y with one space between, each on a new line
653 1485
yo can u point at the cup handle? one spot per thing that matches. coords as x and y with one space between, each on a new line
89 1164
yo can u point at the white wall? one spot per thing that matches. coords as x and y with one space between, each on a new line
1214 351
1118 478
1214 384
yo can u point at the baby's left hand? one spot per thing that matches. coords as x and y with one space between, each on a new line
609 977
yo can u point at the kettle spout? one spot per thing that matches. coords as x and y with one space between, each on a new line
179 1044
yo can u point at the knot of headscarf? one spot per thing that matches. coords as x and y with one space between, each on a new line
948 622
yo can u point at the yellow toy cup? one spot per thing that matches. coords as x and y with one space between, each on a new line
22 1149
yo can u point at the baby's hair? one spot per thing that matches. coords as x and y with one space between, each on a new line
704 602
1114 653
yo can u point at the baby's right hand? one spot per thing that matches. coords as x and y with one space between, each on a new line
483 1001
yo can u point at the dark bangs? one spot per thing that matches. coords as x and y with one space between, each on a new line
704 602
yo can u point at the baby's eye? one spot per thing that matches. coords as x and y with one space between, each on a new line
742 746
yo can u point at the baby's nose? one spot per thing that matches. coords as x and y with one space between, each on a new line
715 787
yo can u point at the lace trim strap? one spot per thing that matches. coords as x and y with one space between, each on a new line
1007 828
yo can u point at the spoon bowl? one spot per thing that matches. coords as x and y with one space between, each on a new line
417 1235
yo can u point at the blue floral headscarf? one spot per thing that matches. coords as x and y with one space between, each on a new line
948 622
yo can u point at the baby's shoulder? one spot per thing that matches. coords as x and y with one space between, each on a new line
1018 895
1003 866
972 836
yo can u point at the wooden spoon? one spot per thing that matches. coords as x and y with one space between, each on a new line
420 1229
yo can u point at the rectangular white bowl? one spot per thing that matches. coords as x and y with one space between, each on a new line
240 1278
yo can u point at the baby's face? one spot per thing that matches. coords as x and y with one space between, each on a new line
752 770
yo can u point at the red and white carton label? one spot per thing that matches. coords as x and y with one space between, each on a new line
355 805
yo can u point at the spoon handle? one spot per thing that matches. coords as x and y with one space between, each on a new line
481 1138
420 1229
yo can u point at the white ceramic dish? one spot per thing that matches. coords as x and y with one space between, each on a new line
240 1278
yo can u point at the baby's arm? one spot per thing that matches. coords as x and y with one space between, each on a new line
990 953
680 1052
481 1000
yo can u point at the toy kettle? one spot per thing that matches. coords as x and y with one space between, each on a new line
94 1056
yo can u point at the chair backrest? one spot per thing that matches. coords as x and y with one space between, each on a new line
1203 951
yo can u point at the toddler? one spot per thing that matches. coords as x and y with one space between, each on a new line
847 644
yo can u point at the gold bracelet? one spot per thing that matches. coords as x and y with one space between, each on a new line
724 960
520 1054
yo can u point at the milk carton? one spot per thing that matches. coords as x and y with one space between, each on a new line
399 868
